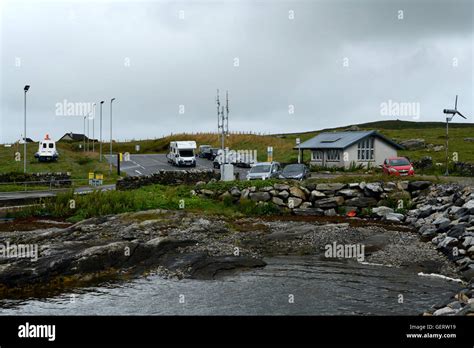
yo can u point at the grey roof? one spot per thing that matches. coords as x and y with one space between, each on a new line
341 140
74 136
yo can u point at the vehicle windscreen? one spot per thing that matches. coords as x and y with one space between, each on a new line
186 153
293 168
260 169
399 162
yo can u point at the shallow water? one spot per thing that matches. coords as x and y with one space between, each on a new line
317 288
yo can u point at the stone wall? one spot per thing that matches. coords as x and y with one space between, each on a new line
167 177
464 169
327 199
56 179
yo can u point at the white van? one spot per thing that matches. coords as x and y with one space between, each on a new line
47 150
182 153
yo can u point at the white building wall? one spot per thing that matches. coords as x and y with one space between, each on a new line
350 156
382 150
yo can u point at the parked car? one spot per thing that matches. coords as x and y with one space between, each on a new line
399 166
204 151
294 171
264 171
216 163
213 152
233 157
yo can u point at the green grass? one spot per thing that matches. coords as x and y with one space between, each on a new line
29 187
71 159
226 185
432 132
102 203
347 179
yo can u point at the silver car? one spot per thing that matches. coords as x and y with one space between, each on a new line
264 171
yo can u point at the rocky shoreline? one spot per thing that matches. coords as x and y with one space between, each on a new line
181 244
443 214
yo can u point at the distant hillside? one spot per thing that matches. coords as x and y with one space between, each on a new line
432 132
398 124
389 124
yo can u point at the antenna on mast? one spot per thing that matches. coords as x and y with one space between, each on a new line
218 106
227 111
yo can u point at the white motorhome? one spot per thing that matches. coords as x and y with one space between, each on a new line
47 150
182 153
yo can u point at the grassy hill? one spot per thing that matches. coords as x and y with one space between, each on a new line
234 141
71 160
79 163
432 132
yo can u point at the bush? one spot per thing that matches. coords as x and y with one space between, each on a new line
84 160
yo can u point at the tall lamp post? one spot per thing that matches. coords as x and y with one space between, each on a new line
25 89
111 100
93 127
84 135
100 133
88 119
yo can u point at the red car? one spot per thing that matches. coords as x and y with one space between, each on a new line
398 166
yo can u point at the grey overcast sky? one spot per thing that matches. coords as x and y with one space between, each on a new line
336 62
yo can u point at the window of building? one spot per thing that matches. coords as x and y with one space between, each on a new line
365 150
333 155
317 155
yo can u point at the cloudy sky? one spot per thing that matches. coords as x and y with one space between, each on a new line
288 65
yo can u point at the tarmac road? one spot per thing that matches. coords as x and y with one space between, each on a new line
147 164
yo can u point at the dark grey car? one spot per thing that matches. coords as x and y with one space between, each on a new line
295 172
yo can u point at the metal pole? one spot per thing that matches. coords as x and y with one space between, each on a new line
24 136
84 135
447 144
93 134
224 160
100 135
88 134
118 164
218 114
111 100
93 127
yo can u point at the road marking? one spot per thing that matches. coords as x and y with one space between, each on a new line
137 164
136 171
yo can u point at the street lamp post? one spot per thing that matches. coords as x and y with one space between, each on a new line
88 115
25 89
84 135
111 100
100 132
93 126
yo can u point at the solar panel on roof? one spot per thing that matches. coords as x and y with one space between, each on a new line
330 140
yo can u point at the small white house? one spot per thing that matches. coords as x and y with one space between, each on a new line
343 149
